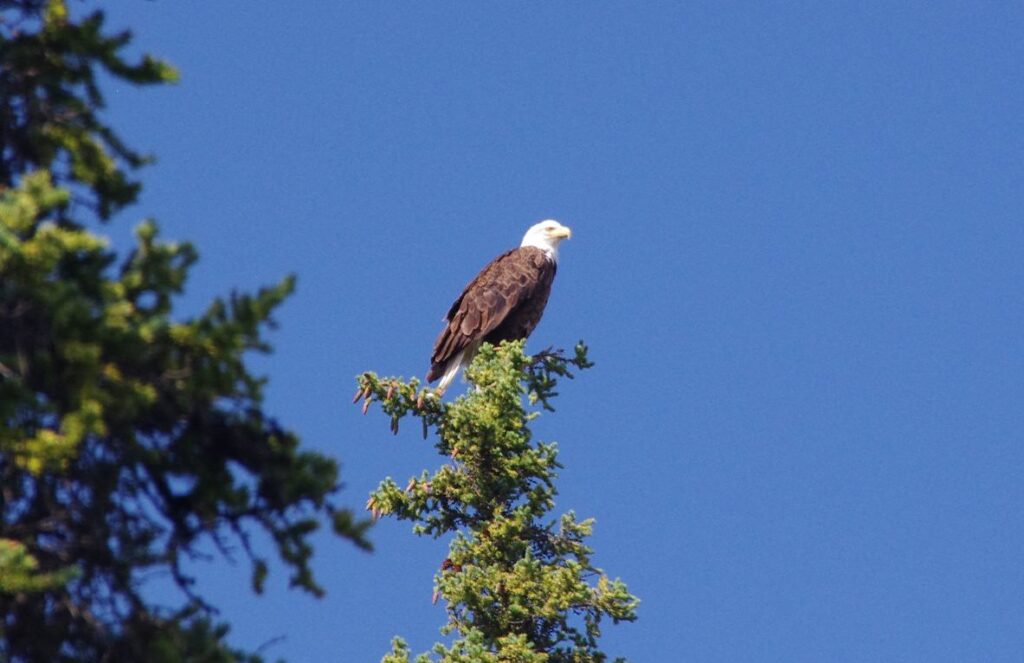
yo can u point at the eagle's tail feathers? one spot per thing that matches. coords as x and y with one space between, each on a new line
461 360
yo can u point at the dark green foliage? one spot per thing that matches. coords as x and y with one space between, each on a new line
520 586
50 101
131 440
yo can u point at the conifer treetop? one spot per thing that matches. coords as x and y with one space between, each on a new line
518 583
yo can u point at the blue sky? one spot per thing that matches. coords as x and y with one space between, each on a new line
797 259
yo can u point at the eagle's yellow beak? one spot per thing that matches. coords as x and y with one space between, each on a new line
562 232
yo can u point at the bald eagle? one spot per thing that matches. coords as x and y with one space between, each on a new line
504 302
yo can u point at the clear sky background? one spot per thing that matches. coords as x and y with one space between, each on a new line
797 258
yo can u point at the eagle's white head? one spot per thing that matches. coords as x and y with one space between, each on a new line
546 236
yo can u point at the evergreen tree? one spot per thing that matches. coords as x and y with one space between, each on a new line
518 585
129 438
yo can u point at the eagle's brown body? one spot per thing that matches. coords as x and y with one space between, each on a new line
504 302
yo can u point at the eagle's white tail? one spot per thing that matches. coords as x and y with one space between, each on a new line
463 359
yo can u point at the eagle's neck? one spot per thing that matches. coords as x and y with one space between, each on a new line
549 249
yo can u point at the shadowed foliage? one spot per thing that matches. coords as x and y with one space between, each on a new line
132 441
